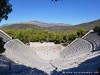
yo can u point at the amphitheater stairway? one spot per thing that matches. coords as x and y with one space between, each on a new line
94 39
77 47
4 36
8 67
22 54
20 51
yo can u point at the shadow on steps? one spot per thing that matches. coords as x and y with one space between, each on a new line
88 67
8 67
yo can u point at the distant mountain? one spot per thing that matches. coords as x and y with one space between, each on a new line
90 25
56 27
21 26
4 25
37 23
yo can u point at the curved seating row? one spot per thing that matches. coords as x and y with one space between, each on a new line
20 51
93 38
77 47
4 36
8 67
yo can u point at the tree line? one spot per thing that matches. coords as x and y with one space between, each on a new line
27 36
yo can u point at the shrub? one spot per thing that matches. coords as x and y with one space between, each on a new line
72 36
96 29
80 32
2 49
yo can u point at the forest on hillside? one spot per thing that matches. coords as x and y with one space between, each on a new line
27 36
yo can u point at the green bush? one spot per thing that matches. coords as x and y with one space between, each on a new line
80 32
2 49
72 37
96 29
59 38
65 37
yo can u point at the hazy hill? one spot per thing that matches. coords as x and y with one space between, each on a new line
21 27
90 25
37 23
56 27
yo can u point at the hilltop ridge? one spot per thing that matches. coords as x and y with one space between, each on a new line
56 27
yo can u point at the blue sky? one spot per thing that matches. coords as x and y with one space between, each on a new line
64 11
